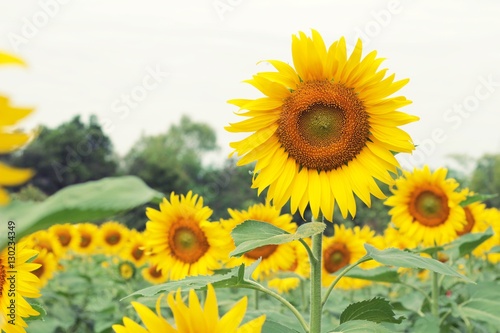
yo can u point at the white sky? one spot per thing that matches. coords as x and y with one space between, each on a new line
83 55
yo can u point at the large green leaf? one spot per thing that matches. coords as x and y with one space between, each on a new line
399 258
253 234
360 326
483 310
467 243
476 197
78 203
377 310
379 274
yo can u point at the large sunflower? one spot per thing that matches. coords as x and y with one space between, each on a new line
182 239
274 257
10 139
326 127
345 247
426 207
192 318
17 282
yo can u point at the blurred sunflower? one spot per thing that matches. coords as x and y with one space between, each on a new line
192 318
274 257
126 269
325 129
10 139
426 207
48 266
26 286
491 217
342 249
112 237
475 216
393 238
182 240
66 234
87 235
134 248
43 240
153 275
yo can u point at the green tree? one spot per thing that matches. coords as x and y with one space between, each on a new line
72 153
485 178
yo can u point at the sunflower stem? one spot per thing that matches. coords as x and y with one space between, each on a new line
315 310
435 294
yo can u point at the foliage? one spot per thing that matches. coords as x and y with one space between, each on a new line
486 178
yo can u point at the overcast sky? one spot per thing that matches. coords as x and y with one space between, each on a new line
140 65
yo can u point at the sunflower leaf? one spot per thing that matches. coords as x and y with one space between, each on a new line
379 274
476 197
399 258
253 234
467 243
495 249
79 203
360 326
376 309
483 303
274 327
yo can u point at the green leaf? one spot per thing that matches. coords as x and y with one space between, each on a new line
467 243
379 274
398 258
360 326
253 234
495 249
477 197
482 310
377 310
41 312
426 324
274 327
79 203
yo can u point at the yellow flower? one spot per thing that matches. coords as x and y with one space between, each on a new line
126 270
325 129
192 318
393 238
182 240
342 249
491 217
48 265
274 257
475 216
16 287
87 233
112 236
153 275
426 208
42 239
134 249
66 234
10 139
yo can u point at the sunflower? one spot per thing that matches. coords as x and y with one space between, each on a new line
43 240
325 129
153 275
23 283
301 266
11 140
342 249
274 257
491 218
393 238
87 233
48 265
112 236
182 239
134 248
126 269
475 216
192 318
66 234
426 207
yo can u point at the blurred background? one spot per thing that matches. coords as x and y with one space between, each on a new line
140 87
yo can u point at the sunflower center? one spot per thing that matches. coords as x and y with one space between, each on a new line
64 238
261 251
470 222
40 270
137 253
429 206
336 257
85 240
154 272
188 242
3 275
323 125
113 238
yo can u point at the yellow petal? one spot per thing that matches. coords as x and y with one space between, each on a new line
10 176
8 59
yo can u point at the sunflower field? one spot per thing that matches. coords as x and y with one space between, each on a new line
322 139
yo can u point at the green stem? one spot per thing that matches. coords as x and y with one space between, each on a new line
341 274
435 294
255 286
315 259
303 295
